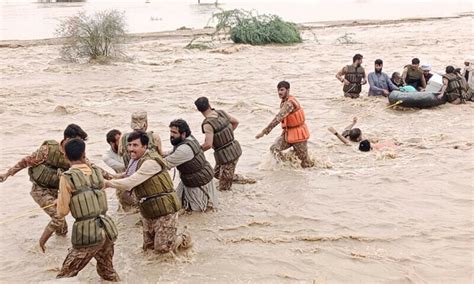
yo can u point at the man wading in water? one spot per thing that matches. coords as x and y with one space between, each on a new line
196 189
353 77
81 193
139 122
219 126
44 168
157 200
295 131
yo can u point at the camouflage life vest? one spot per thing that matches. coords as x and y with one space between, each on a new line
354 75
226 148
47 174
89 207
156 196
197 171
455 87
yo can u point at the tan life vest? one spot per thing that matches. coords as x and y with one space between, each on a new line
294 124
226 148
354 75
197 171
455 87
47 174
124 150
89 207
156 196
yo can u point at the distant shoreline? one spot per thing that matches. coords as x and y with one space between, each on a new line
188 33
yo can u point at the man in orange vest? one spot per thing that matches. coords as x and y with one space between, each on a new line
295 131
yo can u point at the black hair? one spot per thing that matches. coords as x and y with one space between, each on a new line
449 69
364 146
354 133
75 149
379 62
182 126
110 137
415 61
357 57
202 104
138 134
283 84
395 74
74 131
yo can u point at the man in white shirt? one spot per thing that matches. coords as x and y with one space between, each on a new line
111 158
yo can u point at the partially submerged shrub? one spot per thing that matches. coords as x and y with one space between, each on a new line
347 38
92 36
249 28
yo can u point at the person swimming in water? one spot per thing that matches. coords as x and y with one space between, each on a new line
351 134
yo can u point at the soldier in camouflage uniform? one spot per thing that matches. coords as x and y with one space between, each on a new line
218 127
158 202
295 132
81 193
44 167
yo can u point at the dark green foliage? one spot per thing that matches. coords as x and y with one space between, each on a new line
248 28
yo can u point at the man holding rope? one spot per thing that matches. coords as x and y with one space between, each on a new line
196 190
44 168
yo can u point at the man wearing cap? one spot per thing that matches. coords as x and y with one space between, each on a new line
158 201
426 72
139 123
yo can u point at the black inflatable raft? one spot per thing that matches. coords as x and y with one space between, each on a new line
415 99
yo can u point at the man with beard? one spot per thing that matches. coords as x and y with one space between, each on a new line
295 131
196 189
353 77
380 83
158 202
426 68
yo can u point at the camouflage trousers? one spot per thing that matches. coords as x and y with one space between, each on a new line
46 196
301 150
78 258
160 234
127 200
225 173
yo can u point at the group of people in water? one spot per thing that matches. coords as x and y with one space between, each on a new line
65 181
458 84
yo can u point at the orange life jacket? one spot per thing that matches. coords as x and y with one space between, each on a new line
294 124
